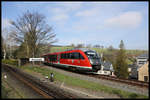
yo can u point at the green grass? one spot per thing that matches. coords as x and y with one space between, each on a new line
74 81
10 61
82 83
4 92
58 49
104 50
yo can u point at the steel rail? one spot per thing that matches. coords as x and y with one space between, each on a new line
126 81
38 86
39 91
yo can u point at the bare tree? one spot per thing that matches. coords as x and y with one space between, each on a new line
32 30
6 44
3 48
110 48
88 45
96 46
72 45
80 46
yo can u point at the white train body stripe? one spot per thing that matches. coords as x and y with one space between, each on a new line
73 65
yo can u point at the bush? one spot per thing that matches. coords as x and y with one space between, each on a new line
10 61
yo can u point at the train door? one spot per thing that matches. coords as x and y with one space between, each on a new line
58 58
81 60
68 62
76 60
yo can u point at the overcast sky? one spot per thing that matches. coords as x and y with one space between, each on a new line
103 23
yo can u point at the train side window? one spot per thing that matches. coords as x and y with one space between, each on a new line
55 57
67 55
72 55
49 57
62 56
76 55
80 56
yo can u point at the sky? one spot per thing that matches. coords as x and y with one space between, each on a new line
102 23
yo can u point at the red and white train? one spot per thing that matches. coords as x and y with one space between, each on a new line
77 59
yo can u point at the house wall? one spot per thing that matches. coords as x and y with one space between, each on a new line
143 71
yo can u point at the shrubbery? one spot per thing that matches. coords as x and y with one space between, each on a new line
10 61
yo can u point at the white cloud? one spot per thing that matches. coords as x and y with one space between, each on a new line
74 41
71 6
61 17
63 10
88 13
57 10
130 19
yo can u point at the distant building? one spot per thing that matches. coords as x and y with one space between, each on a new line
143 72
133 73
133 69
142 59
107 69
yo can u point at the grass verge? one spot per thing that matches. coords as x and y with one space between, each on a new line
74 81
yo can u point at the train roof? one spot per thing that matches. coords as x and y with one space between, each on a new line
83 49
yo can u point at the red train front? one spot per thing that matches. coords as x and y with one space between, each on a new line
77 59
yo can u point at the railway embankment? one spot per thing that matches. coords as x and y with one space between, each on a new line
80 84
39 86
112 86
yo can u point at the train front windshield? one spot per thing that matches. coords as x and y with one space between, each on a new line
92 55
94 59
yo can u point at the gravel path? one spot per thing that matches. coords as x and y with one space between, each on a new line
112 84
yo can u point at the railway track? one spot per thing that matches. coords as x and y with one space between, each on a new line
39 87
126 81
137 83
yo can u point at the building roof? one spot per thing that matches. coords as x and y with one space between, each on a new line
143 65
143 56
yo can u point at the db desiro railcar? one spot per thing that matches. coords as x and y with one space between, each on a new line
77 59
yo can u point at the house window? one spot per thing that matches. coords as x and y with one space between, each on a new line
145 78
